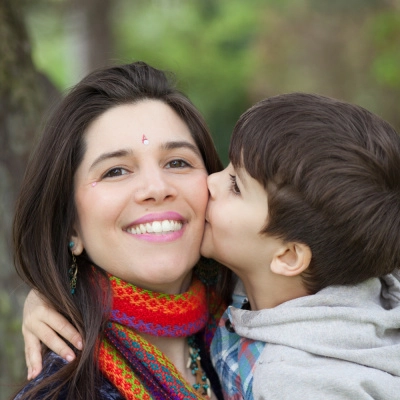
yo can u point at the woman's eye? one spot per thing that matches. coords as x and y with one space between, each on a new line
234 186
115 172
177 164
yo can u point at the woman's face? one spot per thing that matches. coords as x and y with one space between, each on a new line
141 195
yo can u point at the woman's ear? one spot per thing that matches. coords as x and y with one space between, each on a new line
76 244
292 259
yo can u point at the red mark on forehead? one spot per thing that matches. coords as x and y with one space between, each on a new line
145 140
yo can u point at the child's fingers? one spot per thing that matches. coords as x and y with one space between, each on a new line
49 337
66 330
41 324
33 356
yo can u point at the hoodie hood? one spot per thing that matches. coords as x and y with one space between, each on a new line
359 324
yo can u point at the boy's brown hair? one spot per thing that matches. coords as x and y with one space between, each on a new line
332 173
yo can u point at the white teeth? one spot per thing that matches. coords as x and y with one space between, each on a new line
156 227
149 228
166 226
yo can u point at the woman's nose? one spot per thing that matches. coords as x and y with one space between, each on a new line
154 186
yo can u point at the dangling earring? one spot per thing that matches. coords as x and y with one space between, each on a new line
73 269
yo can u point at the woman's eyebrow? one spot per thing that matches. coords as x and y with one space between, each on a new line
180 144
112 154
127 152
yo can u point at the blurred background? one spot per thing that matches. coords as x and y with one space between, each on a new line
226 54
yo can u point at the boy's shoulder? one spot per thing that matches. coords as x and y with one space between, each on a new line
327 337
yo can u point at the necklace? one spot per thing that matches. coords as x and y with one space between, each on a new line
202 385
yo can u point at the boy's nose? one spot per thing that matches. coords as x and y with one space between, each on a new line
212 184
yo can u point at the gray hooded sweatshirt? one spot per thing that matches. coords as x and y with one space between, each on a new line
340 343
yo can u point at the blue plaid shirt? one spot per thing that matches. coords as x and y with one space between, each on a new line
234 357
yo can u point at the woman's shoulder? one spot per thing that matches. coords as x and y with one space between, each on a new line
52 363
108 392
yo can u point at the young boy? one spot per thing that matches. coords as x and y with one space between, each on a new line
308 216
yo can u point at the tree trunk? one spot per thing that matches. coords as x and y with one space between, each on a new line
90 35
24 96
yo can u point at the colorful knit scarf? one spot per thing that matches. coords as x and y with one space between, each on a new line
133 365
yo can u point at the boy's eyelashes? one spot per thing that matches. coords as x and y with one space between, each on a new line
234 186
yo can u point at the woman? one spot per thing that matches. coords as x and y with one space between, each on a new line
108 228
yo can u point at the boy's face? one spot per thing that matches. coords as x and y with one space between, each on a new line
236 213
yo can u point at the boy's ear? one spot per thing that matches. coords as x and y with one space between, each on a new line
292 259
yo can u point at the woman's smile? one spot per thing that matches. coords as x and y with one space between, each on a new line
162 227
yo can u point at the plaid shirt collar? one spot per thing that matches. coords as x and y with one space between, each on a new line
234 357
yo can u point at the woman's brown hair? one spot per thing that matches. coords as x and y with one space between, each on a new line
45 211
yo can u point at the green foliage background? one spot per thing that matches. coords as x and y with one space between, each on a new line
228 54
